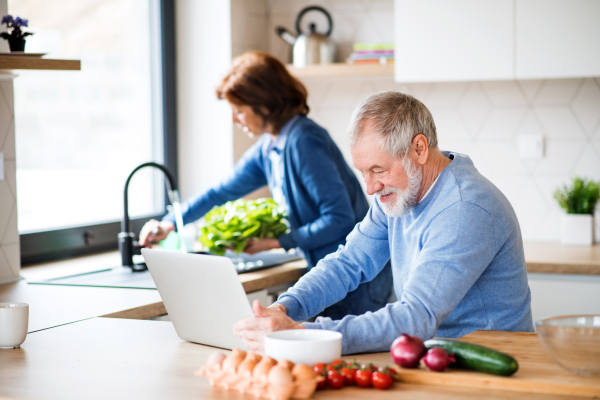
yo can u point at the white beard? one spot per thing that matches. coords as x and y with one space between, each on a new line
406 199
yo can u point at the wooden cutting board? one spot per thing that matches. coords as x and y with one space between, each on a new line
537 372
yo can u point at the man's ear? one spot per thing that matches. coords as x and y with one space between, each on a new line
421 148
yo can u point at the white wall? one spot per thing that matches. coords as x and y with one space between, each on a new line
10 256
205 141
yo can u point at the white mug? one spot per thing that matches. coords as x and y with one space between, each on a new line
14 321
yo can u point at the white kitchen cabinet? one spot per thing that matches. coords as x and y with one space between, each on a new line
557 38
561 294
441 40
471 40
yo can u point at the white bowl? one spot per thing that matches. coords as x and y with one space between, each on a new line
304 346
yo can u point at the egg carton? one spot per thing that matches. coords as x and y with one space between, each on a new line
263 377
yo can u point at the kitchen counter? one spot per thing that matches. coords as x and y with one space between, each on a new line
51 306
554 258
103 358
56 305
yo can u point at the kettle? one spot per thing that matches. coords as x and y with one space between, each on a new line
310 47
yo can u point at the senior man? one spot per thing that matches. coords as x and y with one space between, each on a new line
452 237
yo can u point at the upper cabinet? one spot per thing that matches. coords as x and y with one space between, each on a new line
557 38
466 40
453 40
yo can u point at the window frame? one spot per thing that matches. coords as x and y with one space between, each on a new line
74 241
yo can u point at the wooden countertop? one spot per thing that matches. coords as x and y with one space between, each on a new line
51 306
56 305
21 62
103 358
554 258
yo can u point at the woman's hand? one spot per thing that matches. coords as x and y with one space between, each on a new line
154 231
255 245
252 330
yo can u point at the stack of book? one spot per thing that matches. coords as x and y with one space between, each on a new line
371 53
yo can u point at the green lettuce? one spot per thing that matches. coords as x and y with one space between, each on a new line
235 222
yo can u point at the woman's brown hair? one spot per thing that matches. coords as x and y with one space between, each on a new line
262 82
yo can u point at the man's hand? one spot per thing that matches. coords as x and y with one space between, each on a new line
254 245
253 330
154 231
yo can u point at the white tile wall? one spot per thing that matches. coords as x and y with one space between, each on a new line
481 119
10 258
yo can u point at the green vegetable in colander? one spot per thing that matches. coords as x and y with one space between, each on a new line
235 222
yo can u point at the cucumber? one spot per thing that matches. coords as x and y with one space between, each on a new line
475 357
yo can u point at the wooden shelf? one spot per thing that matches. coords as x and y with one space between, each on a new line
342 69
9 62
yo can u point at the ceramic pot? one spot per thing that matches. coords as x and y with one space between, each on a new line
577 230
16 44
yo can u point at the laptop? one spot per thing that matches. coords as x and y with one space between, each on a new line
202 294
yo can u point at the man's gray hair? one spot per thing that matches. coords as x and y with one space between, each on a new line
396 118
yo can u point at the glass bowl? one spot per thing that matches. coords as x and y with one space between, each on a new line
573 342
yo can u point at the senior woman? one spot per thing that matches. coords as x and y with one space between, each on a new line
303 167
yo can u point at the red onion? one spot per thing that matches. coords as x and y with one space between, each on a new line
407 351
438 359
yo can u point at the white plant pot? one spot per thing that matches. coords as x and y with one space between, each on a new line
577 230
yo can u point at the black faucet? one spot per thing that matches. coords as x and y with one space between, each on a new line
127 245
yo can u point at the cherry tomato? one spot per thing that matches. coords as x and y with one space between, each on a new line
381 380
363 377
338 363
322 384
369 366
320 369
335 380
349 374
330 367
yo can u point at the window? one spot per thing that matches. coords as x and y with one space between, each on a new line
79 134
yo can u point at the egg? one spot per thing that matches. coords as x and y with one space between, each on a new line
302 372
286 364
215 359
279 375
239 352
231 363
263 367
249 363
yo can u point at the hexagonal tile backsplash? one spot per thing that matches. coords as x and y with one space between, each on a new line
483 120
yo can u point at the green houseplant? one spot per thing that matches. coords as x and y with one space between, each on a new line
579 200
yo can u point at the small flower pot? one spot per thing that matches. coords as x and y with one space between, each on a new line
577 230
16 44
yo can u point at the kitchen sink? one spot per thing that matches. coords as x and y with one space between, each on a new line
123 277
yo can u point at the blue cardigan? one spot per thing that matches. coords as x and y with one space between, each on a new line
324 197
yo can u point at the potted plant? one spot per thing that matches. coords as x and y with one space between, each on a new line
579 201
15 37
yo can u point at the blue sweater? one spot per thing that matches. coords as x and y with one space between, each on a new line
457 261
324 197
